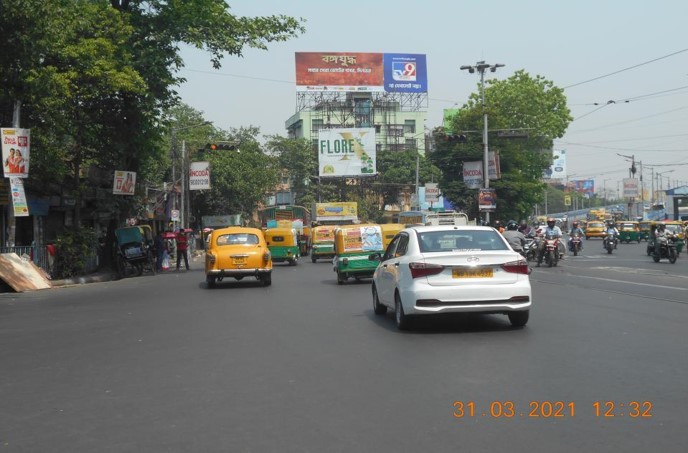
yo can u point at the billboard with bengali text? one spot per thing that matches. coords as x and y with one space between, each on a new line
361 72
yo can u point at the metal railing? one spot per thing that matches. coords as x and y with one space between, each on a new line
41 258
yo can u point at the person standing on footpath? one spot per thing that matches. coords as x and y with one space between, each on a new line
160 247
182 245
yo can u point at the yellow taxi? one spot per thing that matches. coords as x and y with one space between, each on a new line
237 252
595 229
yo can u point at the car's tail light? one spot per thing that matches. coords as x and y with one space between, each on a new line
424 269
516 267
266 256
211 258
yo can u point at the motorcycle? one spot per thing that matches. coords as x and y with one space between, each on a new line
551 252
532 248
576 244
609 243
667 249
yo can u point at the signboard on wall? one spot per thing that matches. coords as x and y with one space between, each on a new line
346 152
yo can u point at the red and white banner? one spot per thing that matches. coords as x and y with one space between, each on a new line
199 175
125 182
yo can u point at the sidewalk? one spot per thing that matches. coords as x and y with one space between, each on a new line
107 276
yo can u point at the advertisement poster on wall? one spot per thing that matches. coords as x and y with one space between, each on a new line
16 148
346 152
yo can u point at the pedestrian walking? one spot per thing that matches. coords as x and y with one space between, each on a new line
182 245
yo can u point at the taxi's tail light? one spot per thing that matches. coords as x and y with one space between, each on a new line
211 258
266 256
516 267
424 269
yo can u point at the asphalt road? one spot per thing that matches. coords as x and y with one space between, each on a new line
162 364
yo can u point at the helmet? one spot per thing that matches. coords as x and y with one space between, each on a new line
551 222
511 225
575 223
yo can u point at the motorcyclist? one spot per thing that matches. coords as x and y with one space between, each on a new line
611 230
575 230
551 230
524 228
660 237
498 226
515 238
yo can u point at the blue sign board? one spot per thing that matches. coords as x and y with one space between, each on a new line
405 73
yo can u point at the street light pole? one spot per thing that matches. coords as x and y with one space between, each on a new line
481 66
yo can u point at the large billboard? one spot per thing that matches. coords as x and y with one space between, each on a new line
359 71
583 186
346 152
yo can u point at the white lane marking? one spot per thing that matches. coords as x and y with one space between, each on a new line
633 283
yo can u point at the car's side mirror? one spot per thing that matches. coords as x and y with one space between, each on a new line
375 257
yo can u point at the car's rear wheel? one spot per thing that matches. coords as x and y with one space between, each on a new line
519 318
378 308
210 281
266 279
402 320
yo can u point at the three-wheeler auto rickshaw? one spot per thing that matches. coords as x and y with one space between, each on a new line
322 242
134 250
353 245
389 230
629 230
644 226
283 244
676 228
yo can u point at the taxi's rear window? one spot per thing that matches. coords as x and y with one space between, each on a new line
237 239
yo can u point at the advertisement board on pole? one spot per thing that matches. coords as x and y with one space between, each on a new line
21 208
631 188
473 174
487 200
432 192
16 149
199 175
558 168
125 182
346 152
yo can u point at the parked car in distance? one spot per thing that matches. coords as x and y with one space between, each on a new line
237 252
451 269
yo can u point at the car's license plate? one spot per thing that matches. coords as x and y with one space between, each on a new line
482 272
239 260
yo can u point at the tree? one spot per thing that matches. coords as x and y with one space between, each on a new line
521 102
397 172
240 179
297 159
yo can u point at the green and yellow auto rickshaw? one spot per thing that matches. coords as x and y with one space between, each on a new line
645 226
283 244
322 242
389 230
629 231
353 246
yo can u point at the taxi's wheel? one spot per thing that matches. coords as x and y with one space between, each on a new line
210 281
400 317
378 308
266 279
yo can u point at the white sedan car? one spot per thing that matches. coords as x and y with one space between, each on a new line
450 269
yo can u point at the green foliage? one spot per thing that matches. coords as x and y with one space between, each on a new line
397 173
74 248
297 160
240 179
521 102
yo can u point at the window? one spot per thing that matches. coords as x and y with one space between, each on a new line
460 241
409 126
389 253
317 124
237 238
403 245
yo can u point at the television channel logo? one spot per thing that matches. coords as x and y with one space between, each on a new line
404 71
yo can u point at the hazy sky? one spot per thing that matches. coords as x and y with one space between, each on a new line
567 42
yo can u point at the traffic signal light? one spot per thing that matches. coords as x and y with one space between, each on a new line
221 147
456 138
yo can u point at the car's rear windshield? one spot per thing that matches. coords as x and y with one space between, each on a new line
595 225
237 239
460 240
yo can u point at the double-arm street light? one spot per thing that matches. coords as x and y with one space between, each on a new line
480 67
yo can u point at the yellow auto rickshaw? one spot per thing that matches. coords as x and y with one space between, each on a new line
322 242
283 244
353 245
389 230
629 230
